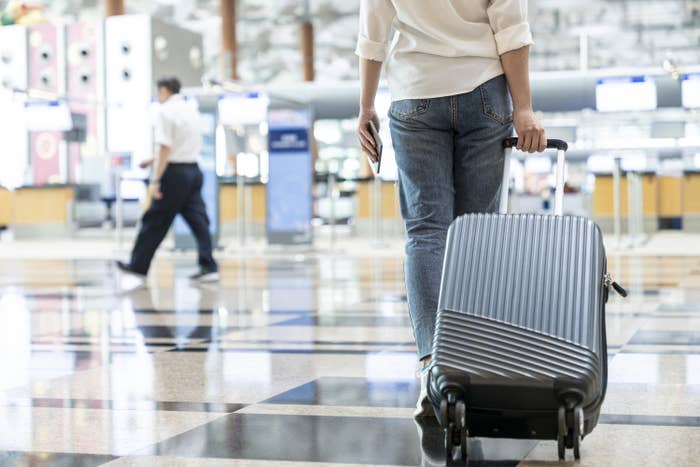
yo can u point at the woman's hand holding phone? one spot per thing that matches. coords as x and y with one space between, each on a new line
368 135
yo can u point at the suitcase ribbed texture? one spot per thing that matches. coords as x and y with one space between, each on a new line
540 273
496 350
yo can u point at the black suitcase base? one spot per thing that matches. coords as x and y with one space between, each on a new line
567 425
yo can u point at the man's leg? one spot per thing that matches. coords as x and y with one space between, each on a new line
157 220
154 226
423 140
195 214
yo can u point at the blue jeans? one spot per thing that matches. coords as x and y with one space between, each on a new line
450 158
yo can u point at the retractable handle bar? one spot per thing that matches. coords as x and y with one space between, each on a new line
561 146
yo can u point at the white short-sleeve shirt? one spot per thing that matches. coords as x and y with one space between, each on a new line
178 127
440 47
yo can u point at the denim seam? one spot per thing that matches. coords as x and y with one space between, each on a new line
488 110
421 108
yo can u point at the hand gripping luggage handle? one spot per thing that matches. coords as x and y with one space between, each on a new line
551 143
561 146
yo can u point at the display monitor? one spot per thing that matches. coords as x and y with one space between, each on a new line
243 109
47 116
626 94
690 90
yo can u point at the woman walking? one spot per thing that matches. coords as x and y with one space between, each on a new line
458 75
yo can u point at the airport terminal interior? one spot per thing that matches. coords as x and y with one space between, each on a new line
303 353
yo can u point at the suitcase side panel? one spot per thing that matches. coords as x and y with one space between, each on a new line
542 273
490 357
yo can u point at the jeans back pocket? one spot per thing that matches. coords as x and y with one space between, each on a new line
408 108
496 100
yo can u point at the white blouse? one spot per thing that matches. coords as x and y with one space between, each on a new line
440 47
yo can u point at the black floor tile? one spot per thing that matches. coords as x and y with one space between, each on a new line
684 307
292 312
351 440
652 420
388 298
166 406
214 348
165 332
357 392
666 338
189 311
318 342
51 459
660 351
347 321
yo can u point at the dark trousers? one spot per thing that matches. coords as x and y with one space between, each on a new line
181 185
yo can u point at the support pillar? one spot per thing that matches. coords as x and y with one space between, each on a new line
114 7
229 43
307 50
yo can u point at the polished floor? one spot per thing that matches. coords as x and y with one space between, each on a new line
304 361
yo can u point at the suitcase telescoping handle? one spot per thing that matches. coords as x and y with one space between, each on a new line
561 146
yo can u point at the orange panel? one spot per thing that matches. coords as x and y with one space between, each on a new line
5 207
670 201
259 202
42 205
364 210
691 194
603 195
650 190
228 203
390 201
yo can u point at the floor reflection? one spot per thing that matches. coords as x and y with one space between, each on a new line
308 361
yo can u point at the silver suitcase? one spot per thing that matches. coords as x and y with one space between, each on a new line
520 348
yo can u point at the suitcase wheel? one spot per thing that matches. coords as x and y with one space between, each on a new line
570 431
578 432
456 431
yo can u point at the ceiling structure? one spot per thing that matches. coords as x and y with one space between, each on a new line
612 33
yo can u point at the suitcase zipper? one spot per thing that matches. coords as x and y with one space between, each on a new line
609 283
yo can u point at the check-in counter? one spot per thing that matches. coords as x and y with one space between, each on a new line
691 201
389 211
256 207
46 210
670 201
5 207
603 209
42 210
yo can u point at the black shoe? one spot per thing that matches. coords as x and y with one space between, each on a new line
125 268
205 275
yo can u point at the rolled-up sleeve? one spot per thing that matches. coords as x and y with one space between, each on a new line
508 20
376 17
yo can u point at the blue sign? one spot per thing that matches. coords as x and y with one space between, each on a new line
289 189
624 79
289 140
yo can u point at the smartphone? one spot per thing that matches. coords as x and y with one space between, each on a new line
378 146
